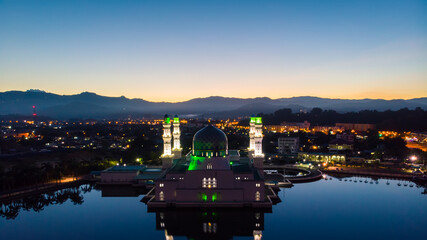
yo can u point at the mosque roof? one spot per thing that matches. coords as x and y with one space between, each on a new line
210 138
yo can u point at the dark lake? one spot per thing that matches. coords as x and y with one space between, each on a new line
326 209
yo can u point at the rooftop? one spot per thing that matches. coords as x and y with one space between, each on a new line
124 168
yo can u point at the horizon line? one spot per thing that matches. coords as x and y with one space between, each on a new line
189 99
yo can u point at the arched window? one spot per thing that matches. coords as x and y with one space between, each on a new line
161 196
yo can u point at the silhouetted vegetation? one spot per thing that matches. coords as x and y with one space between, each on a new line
26 174
37 203
401 120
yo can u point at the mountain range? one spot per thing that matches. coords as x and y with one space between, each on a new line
91 105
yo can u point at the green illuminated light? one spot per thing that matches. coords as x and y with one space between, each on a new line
231 163
258 120
252 119
194 163
204 197
214 197
176 119
167 120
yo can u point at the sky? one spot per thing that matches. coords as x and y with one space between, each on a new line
178 50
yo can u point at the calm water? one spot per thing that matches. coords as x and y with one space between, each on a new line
329 209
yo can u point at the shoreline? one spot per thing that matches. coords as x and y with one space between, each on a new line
314 176
378 174
39 189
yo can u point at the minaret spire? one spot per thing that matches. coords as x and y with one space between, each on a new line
255 143
258 137
176 138
167 136
251 148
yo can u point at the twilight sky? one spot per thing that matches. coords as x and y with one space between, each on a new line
177 50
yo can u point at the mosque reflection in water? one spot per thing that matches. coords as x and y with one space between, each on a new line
199 223
211 224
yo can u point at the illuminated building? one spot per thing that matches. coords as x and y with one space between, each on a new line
358 127
297 125
258 138
340 145
167 156
251 148
289 127
211 175
176 138
322 157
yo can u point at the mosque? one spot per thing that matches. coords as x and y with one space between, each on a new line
211 175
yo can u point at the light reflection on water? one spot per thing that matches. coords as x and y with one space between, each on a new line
326 209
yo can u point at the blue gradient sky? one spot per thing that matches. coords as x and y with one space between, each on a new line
177 50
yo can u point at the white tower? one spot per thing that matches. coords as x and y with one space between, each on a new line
258 137
257 156
176 138
251 148
167 138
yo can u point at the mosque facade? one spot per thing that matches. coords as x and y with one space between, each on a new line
211 175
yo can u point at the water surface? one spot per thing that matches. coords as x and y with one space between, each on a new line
326 209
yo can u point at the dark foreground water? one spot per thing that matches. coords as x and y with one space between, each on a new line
326 209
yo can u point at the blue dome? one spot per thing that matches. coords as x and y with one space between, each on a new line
210 142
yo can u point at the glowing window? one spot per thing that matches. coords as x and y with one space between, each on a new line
257 196
209 227
209 183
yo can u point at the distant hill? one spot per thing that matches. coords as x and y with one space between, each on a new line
91 105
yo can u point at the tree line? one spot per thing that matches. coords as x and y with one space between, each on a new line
400 120
26 174
37 203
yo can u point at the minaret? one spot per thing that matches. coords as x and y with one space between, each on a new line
167 156
251 148
258 137
258 156
176 138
